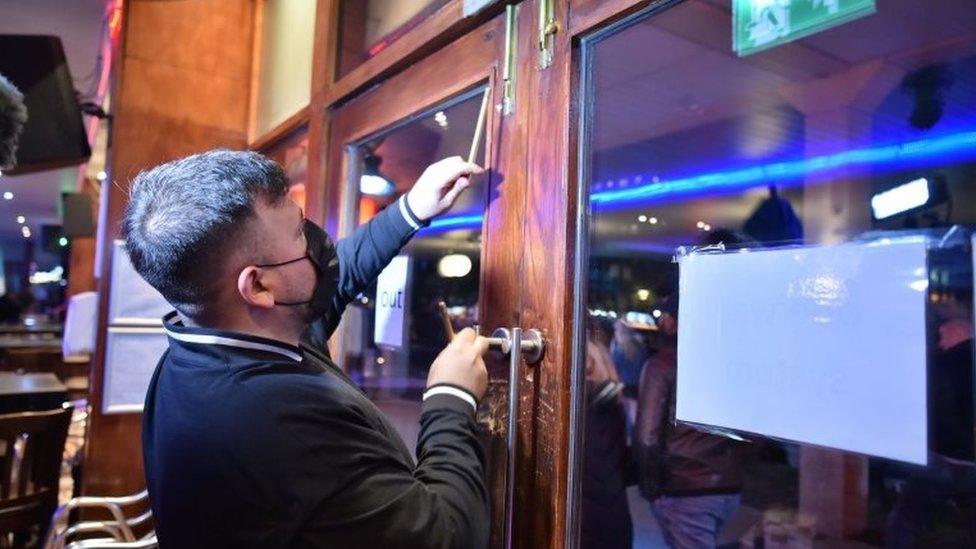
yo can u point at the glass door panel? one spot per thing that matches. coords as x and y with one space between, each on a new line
441 263
865 127
381 140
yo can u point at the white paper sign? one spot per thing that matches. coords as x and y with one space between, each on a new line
130 360
132 300
392 302
821 345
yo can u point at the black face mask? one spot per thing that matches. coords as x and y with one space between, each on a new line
321 252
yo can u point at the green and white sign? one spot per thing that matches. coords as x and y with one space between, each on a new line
762 24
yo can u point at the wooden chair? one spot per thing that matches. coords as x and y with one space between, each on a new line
31 444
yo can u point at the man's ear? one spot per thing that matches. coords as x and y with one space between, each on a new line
252 289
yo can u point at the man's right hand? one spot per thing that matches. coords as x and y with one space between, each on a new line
461 363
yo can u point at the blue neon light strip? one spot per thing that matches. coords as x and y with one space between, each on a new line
915 151
780 171
453 223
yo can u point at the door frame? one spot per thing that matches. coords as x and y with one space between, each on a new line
472 61
531 266
586 22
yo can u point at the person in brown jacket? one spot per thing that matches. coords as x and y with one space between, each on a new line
692 479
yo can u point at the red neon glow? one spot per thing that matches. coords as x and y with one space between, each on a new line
115 19
377 47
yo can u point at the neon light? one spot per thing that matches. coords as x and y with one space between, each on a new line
453 223
900 199
778 172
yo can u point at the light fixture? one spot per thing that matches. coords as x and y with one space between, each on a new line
652 221
47 277
63 241
441 119
642 218
21 219
101 176
907 197
700 224
25 230
707 227
7 195
454 266
656 313
371 182
643 294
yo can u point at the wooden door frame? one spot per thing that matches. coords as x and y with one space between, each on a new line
531 230
555 212
440 28
471 61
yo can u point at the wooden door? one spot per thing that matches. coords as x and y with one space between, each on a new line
393 131
528 233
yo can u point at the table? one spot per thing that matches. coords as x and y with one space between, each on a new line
30 392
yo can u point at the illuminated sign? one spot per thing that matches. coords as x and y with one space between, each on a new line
762 24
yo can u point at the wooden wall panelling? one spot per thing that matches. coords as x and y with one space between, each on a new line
182 87
319 118
254 89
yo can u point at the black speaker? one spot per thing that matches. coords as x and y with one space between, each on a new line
76 211
54 135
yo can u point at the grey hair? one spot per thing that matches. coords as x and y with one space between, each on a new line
13 116
184 216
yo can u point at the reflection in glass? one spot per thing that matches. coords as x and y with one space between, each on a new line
815 142
441 263
370 26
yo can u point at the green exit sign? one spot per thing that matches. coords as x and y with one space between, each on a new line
763 24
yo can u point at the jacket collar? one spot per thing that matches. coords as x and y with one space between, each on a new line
206 336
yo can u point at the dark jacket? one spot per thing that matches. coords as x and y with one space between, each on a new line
672 458
249 442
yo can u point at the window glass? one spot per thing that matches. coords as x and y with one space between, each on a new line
393 332
690 144
367 27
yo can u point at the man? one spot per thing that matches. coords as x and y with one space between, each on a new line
606 523
252 436
936 507
693 479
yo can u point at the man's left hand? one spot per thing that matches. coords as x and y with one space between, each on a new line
439 187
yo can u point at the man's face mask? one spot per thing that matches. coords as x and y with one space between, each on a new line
321 252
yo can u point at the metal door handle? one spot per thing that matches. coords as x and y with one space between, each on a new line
531 347
531 343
